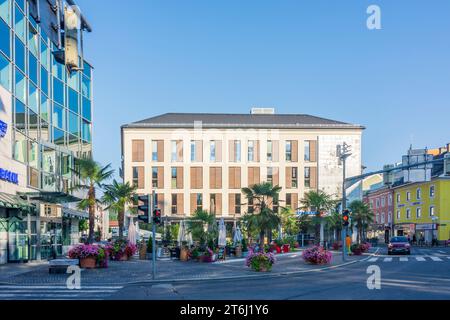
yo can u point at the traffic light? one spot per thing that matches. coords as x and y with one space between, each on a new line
345 217
143 206
157 216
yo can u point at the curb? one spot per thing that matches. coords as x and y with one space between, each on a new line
250 277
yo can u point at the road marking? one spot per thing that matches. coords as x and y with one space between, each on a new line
373 259
56 292
404 259
440 251
420 259
387 259
435 258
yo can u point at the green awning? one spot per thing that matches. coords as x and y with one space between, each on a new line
14 202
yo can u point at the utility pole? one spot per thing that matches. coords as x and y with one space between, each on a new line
343 152
153 236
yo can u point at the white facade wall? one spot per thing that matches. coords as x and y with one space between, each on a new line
329 173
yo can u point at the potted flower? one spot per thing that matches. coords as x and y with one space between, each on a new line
87 255
260 261
207 256
143 250
149 251
317 255
121 250
184 253
336 245
356 249
195 253
102 258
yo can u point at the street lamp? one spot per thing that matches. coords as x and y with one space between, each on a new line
343 152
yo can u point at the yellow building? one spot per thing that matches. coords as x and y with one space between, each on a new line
423 209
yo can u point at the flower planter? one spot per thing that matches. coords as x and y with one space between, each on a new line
238 252
184 254
206 259
124 258
88 263
286 248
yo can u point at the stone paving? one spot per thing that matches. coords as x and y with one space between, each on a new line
135 270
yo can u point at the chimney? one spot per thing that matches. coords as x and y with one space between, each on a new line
262 111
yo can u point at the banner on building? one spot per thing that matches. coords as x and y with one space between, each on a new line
71 27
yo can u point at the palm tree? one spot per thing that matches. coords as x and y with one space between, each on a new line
91 175
263 218
361 215
318 202
334 223
117 197
202 226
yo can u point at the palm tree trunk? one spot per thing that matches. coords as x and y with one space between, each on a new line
120 216
91 195
261 239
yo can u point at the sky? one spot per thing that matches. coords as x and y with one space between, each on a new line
311 57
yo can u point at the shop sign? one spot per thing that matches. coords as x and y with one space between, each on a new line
9 176
3 129
426 226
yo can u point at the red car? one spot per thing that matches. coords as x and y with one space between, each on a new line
399 245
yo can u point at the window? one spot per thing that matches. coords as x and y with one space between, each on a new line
269 150
86 130
270 175
383 201
432 191
58 91
307 177
33 40
21 86
237 203
212 151
377 218
86 87
33 69
73 124
238 151
382 217
73 100
20 147
5 73
174 178
295 177
199 201
44 81
154 177
196 150
87 109
307 150
418 212
44 55
251 150
33 98
408 213
19 55
418 194
5 39
174 204
377 204
138 177
5 12
176 150
389 217
408 196
432 211
398 197
192 150
250 206
390 200
234 151
398 214
288 150
154 151
20 25
58 116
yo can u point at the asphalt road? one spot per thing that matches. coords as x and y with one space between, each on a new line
425 274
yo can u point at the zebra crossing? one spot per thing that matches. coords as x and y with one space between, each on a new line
13 292
409 259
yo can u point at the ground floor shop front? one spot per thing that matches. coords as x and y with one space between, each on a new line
36 231
421 233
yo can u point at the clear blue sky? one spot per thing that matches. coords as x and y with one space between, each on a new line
315 57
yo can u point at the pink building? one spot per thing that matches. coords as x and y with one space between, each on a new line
381 201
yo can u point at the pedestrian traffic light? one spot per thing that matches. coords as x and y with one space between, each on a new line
143 207
157 216
345 217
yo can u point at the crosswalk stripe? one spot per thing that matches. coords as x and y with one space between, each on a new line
56 292
387 259
436 259
420 259
373 259
403 259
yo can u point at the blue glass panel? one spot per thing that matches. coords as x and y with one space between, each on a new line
21 86
44 107
44 55
87 109
19 115
33 41
86 87
20 25
73 101
20 54
44 81
33 100
5 12
86 131
5 38
74 124
58 136
58 116
5 73
58 91
33 68
21 4
58 70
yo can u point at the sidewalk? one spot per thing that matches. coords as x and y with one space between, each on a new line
135 271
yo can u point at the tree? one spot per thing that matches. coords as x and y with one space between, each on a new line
117 197
334 223
361 216
92 176
202 226
263 218
289 221
318 202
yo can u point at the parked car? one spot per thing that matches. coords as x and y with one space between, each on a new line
399 245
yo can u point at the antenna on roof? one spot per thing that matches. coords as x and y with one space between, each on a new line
262 111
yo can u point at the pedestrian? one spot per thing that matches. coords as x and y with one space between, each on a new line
348 242
409 238
414 239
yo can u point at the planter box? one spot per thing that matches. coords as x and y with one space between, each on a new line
286 248
184 254
88 263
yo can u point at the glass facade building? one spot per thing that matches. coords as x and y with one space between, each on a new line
52 107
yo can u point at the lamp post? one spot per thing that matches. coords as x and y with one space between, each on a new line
343 152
